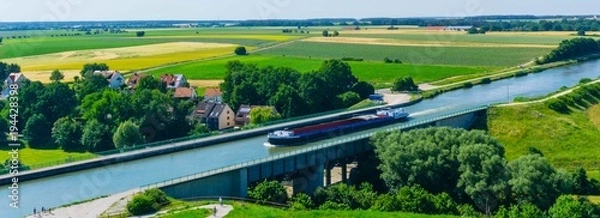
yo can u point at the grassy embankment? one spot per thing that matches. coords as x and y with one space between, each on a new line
568 140
248 210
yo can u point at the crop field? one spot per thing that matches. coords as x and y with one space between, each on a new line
568 141
377 73
124 58
430 55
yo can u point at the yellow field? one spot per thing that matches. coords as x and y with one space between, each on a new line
126 58
404 42
205 83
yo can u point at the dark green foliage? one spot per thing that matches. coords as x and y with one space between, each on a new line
140 33
67 134
348 196
525 210
584 186
534 150
533 180
351 59
336 33
241 50
260 115
404 84
386 203
97 136
581 32
467 85
269 191
466 210
363 89
557 105
90 68
583 97
147 202
91 84
301 202
429 157
325 33
38 131
56 76
572 48
520 74
1 38
414 199
127 135
6 69
568 206
347 99
151 83
330 205
584 80
199 129
486 81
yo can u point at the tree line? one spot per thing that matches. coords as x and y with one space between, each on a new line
571 48
581 98
449 171
293 93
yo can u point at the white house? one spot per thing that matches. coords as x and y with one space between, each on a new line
13 78
115 79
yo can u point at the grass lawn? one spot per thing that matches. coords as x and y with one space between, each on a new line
190 213
429 55
377 73
568 140
29 156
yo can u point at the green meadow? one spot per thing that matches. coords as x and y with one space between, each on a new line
567 140
377 73
429 55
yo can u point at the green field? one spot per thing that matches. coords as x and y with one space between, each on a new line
500 38
376 72
30 156
457 56
568 141
42 43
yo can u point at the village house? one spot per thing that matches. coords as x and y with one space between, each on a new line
185 93
13 78
213 94
115 79
216 115
134 80
242 117
173 81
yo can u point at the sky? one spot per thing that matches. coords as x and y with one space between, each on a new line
78 10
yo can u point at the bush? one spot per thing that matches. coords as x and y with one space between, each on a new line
585 80
467 210
404 84
467 85
140 33
148 202
520 74
302 201
557 105
269 191
330 205
351 59
141 205
240 50
397 61
486 81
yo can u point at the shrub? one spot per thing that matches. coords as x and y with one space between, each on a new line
330 205
585 80
387 60
467 85
141 205
467 210
140 33
520 74
486 81
270 191
240 50
302 201
557 105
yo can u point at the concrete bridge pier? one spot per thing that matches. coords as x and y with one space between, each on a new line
311 179
344 165
328 167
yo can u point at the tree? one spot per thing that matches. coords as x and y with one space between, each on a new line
58 100
56 76
568 206
241 50
91 67
151 83
259 115
1 40
96 136
287 100
38 131
581 32
483 175
91 84
533 180
404 83
140 33
347 99
363 89
325 33
128 134
269 191
336 33
67 134
473 30
338 78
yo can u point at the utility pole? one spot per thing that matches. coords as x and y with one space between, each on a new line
508 93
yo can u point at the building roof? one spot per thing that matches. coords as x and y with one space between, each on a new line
135 78
203 109
217 110
212 92
106 74
184 92
13 77
172 80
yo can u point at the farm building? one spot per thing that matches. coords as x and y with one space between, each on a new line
115 79
13 78
173 81
185 93
134 80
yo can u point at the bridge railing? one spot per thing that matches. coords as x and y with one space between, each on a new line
304 150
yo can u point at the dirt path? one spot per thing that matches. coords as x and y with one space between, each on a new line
90 209
549 97
222 211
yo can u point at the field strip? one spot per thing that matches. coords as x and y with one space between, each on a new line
394 42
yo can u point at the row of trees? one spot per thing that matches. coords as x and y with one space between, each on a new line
471 168
582 98
6 69
571 48
292 93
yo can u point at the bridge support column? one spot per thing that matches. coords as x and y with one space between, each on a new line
243 182
344 170
311 179
327 174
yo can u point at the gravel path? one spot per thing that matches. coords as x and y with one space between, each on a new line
90 209
221 210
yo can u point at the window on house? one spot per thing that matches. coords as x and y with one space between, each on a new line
228 123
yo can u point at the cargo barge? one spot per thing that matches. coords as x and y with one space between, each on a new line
330 129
